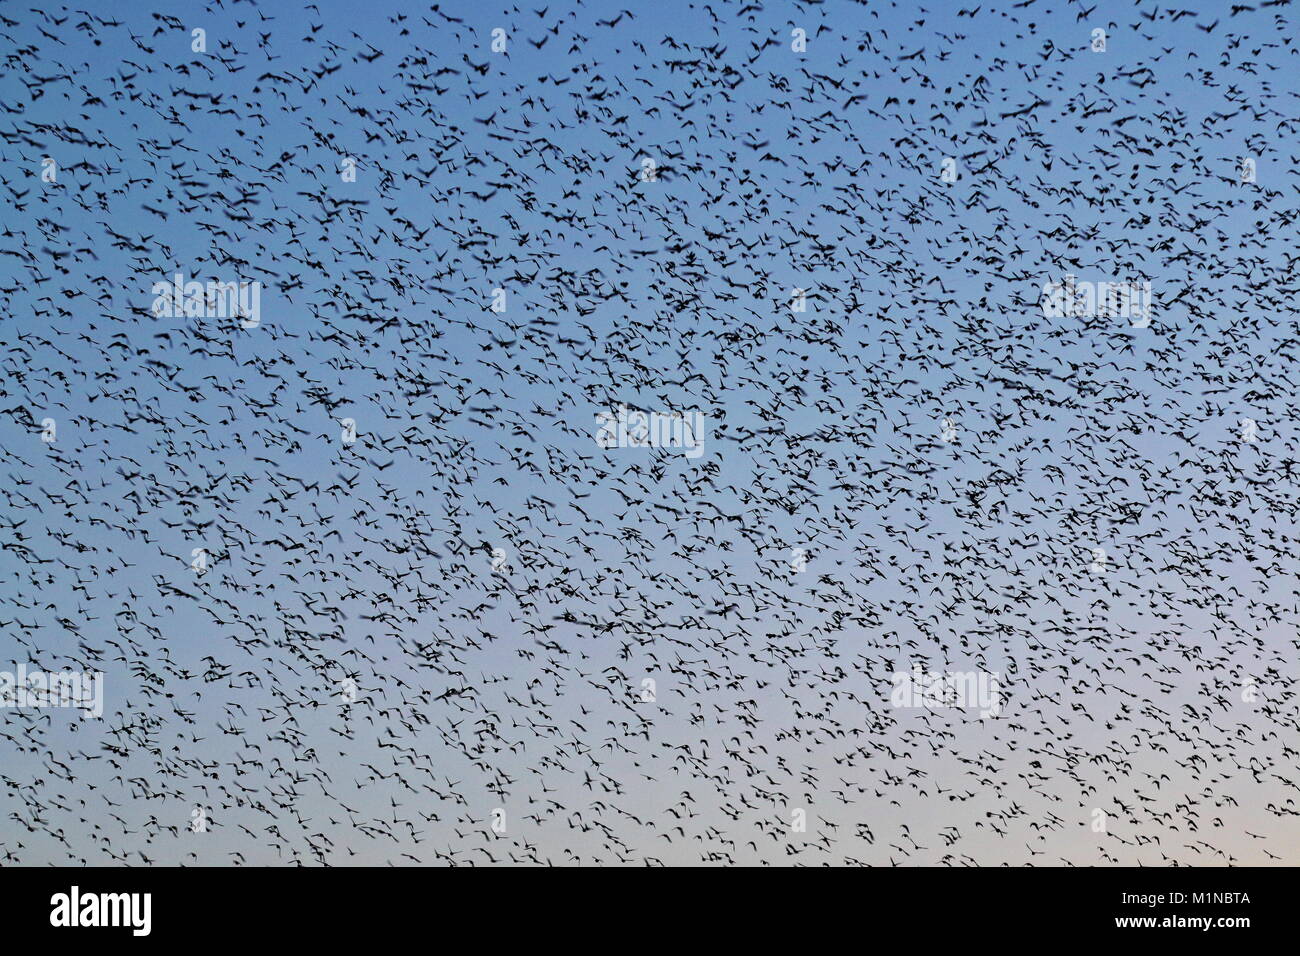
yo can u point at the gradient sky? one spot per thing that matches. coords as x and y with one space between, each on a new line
816 171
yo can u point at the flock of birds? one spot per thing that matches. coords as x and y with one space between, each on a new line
364 587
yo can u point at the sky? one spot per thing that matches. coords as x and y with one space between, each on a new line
479 691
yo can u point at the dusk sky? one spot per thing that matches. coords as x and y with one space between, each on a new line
474 634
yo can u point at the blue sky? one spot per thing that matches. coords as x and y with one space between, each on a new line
778 170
